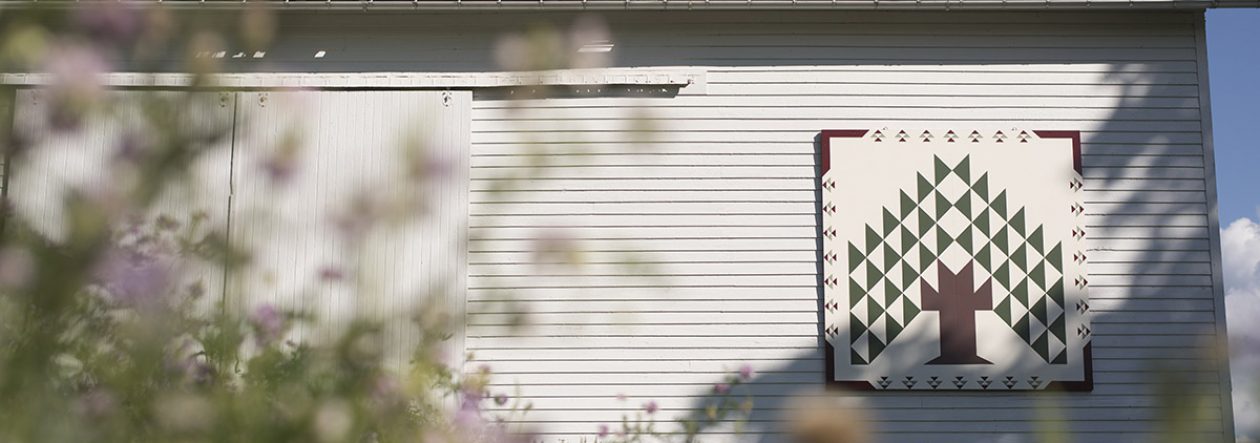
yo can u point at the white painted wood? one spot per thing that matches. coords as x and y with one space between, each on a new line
695 218
694 215
323 183
84 161
1214 229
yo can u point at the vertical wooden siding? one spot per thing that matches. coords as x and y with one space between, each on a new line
284 177
696 212
349 164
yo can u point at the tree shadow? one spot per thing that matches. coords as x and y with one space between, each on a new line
1152 228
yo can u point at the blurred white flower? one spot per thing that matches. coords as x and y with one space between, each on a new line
184 412
333 421
590 43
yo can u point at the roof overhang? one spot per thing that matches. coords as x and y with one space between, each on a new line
621 5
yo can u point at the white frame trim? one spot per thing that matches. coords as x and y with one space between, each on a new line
1214 226
395 80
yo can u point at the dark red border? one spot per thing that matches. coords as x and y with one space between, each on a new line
1088 353
1076 145
829 351
824 156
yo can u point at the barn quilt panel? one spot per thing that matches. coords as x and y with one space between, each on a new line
954 259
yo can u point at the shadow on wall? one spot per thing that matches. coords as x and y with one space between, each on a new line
1150 237
1148 229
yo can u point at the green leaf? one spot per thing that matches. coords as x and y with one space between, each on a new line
909 310
925 187
876 346
1055 257
964 204
1021 328
856 257
890 222
908 240
1042 346
983 257
856 292
963 170
892 328
942 170
891 257
942 205
908 275
856 328
999 205
926 222
1036 239
1017 222
981 187
855 358
873 240
1003 310
907 205
964 240
1040 312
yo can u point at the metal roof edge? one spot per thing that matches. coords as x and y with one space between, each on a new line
664 5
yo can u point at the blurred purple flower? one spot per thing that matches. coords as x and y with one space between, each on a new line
279 168
721 388
621 396
268 323
555 246
331 274
132 147
355 220
386 391
133 278
109 21
603 430
200 372
431 161
469 414
500 399
745 372
650 407
75 83
96 403
16 267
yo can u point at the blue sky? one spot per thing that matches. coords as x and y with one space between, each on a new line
1233 37
1234 68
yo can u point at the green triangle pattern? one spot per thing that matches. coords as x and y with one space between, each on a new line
1027 273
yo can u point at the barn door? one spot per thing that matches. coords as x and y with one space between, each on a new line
97 157
350 203
354 203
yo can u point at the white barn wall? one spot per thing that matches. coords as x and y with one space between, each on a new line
697 212
349 170
712 195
